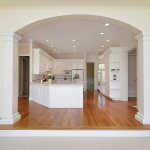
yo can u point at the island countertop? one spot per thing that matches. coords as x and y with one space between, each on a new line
58 82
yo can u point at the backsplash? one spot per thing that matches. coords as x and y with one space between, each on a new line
36 77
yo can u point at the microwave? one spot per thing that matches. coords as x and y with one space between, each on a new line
67 72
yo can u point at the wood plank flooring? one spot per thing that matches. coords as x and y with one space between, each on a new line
98 113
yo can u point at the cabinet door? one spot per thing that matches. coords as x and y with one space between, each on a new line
64 65
42 64
58 68
77 64
80 65
47 64
74 65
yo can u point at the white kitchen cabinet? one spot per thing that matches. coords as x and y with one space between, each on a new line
67 64
58 67
77 64
42 62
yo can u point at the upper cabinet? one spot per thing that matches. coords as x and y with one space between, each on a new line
42 62
67 64
77 64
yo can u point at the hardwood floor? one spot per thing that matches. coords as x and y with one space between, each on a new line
98 113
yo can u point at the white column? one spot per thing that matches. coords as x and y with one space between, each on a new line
31 58
143 78
124 74
9 108
85 79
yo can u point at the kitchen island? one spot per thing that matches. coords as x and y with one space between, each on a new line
64 94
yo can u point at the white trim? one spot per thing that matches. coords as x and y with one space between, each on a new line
10 36
11 119
24 54
143 119
145 36
74 133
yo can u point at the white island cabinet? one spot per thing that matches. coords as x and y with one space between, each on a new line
57 95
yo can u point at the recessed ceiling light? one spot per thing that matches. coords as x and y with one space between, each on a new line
107 40
107 24
102 46
74 46
101 33
47 40
73 40
52 46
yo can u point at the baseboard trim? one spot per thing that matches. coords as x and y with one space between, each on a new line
11 119
143 119
74 133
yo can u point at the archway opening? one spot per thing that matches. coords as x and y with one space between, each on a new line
79 38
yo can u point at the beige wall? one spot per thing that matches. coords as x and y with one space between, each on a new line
133 15
24 49
0 74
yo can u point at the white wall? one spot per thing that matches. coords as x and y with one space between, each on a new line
124 75
132 74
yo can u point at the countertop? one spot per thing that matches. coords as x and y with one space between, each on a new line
58 83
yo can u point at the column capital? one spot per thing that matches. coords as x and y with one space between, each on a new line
145 36
9 36
30 40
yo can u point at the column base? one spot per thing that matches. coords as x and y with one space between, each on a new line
143 119
10 120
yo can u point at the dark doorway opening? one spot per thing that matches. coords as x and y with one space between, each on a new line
24 76
90 76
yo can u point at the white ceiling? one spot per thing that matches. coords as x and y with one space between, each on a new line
71 2
61 31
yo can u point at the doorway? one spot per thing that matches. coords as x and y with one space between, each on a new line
132 74
24 76
90 76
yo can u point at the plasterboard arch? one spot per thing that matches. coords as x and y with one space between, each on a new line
18 18
80 17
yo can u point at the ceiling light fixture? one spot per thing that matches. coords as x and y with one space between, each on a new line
52 46
107 24
47 40
107 40
73 40
74 46
101 33
102 46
